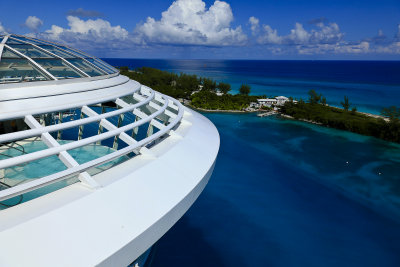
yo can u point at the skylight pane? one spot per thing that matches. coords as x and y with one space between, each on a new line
85 67
112 69
7 53
58 68
56 51
101 66
13 41
14 70
75 52
32 41
30 51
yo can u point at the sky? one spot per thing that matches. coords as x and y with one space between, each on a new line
197 29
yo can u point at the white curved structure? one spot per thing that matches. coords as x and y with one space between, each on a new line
94 167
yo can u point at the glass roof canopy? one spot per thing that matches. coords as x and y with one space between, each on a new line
26 59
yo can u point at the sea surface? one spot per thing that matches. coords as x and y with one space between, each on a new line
287 193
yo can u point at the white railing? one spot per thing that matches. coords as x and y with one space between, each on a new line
146 98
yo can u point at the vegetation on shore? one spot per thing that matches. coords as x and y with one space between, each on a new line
314 110
211 101
202 92
172 84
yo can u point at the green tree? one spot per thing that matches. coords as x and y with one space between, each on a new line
346 103
209 85
393 113
224 87
244 89
314 97
354 110
323 101
124 68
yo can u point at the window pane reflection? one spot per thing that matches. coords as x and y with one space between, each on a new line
58 68
84 66
99 65
56 51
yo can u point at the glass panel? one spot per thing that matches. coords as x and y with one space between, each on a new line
97 64
75 52
57 51
13 41
47 42
14 70
113 70
30 51
33 41
58 68
85 67
7 53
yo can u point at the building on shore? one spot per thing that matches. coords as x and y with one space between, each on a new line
269 102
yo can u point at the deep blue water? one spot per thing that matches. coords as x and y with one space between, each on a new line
370 85
286 193
282 194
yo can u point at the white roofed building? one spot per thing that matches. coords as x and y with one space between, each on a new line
278 101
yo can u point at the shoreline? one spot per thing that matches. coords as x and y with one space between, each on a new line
283 115
278 113
222 111
303 120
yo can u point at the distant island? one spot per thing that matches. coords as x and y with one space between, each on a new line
208 95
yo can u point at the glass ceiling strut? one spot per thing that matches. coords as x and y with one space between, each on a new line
2 44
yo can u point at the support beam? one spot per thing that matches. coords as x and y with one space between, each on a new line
123 136
64 156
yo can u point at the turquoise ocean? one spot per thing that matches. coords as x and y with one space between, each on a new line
287 193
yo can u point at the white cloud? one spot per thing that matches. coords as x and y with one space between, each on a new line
89 34
298 35
270 36
254 25
324 39
392 48
362 47
2 29
33 23
337 48
324 34
189 22
98 28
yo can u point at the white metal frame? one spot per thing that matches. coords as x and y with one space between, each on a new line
145 97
